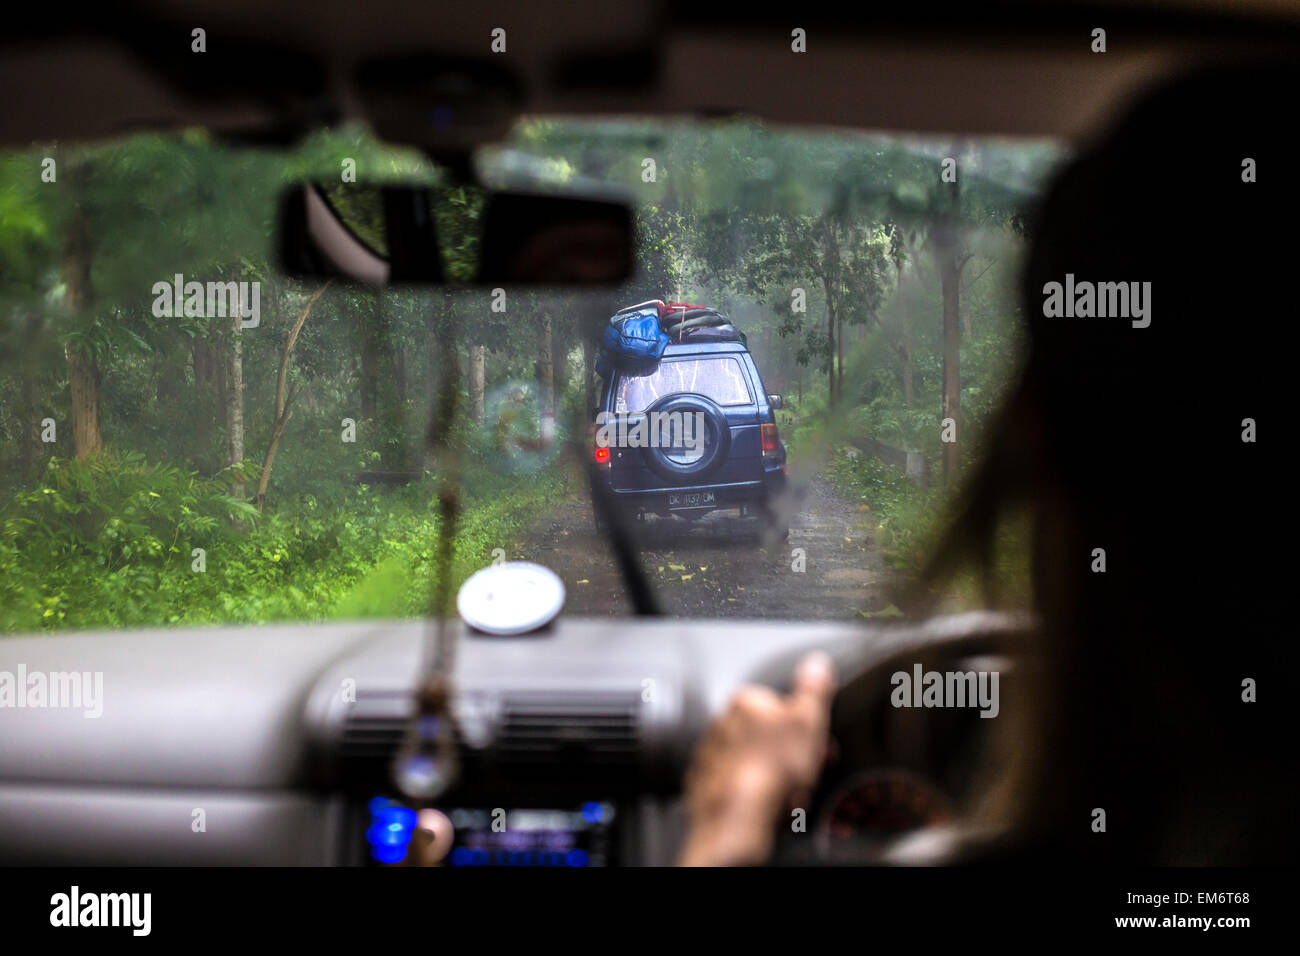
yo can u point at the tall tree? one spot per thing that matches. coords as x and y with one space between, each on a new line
235 389
83 364
477 371
545 378
945 250
284 394
368 321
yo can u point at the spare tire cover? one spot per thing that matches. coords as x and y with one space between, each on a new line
680 457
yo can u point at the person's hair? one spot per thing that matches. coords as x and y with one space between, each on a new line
1132 441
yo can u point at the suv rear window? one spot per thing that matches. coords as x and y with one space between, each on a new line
719 378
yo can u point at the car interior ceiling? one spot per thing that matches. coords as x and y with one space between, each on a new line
275 73
689 62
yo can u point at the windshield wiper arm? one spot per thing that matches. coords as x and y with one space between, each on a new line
641 594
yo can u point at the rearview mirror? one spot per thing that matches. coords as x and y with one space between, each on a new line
407 234
776 401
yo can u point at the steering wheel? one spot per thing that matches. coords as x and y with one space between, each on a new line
884 796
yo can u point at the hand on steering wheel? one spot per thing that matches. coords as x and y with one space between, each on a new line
759 758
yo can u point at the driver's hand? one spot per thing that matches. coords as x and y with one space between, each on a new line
758 760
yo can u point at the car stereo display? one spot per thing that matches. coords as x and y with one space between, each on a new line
496 836
531 836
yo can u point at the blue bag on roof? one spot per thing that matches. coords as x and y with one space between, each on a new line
633 341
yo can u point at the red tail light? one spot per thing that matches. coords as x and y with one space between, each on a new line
601 452
770 440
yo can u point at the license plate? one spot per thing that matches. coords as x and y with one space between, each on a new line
694 499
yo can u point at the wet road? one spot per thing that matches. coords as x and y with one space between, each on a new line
830 568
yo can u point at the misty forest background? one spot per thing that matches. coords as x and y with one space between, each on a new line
178 433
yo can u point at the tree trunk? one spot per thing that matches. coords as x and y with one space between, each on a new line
477 367
283 398
172 374
445 384
83 387
945 248
905 320
832 396
909 391
370 362
431 366
399 377
220 390
559 362
31 450
205 384
546 382
946 251
235 392
839 349
83 368
832 283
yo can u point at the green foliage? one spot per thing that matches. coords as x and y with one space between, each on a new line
99 537
121 507
906 514
108 543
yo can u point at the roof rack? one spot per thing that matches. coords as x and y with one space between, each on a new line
682 320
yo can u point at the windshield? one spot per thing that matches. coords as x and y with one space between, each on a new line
189 437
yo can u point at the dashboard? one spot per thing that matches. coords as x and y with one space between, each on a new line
274 745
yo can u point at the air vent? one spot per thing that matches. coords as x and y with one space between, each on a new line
591 731
599 730
372 733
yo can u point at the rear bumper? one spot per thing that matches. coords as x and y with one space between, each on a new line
725 495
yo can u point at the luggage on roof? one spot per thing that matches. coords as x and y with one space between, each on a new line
685 322
636 336
633 340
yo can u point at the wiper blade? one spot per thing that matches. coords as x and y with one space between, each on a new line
641 594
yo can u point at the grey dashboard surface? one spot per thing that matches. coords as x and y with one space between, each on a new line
228 718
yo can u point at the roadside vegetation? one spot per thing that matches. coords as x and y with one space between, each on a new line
118 542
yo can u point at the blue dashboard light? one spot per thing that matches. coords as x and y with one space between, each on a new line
576 858
395 825
390 830
592 811
389 854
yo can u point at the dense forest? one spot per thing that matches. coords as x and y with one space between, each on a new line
161 464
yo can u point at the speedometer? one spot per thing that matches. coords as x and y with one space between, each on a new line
869 811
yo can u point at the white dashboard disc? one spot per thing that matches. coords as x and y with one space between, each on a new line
511 598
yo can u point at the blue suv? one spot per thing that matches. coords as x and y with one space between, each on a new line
694 433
